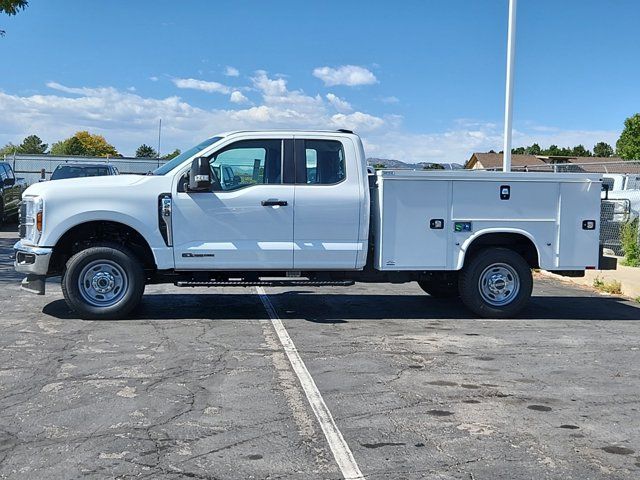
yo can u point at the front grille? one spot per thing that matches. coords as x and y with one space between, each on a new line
23 216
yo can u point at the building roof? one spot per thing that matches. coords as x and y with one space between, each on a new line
494 160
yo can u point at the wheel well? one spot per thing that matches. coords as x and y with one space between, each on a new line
88 234
514 241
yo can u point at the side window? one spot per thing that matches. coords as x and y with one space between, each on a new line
247 163
3 173
324 162
9 171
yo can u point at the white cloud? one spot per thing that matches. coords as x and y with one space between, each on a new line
238 97
390 99
203 85
339 104
350 75
231 71
128 119
154 78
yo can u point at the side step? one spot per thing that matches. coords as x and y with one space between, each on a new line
268 283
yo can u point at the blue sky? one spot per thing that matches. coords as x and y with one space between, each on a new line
420 80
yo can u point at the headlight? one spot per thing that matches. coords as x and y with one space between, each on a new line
32 220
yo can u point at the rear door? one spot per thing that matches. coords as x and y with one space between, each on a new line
328 197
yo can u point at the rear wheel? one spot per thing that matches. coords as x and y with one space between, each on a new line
440 288
104 282
497 283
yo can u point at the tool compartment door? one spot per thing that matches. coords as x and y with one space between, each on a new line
414 224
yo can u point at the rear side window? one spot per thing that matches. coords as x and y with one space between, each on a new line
322 162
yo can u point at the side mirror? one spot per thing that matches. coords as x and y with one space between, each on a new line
200 175
9 182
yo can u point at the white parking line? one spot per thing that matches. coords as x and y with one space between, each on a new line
339 448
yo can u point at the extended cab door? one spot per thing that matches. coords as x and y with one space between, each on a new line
246 223
329 201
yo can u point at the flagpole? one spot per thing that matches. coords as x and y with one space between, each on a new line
508 103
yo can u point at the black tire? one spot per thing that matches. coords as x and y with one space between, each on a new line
117 261
2 218
498 267
440 289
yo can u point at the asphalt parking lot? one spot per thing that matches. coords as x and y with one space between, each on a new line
198 385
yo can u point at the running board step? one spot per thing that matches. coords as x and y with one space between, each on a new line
268 283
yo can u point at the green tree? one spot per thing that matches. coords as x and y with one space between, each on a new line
433 166
171 155
84 143
12 7
533 149
8 149
602 149
96 145
379 166
580 151
145 150
70 146
628 145
518 151
32 144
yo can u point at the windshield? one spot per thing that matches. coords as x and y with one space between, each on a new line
174 162
68 171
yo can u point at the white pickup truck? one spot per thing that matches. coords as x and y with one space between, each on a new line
302 208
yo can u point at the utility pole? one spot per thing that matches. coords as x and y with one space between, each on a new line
508 102
159 136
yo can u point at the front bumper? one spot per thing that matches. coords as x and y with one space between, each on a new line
34 262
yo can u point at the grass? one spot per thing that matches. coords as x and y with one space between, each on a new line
613 287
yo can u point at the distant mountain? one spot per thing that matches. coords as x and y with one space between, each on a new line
399 164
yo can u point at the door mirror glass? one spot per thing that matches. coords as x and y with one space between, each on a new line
200 175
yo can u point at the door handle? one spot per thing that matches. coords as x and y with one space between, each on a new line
274 203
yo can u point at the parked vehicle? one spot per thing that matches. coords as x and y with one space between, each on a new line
471 234
77 169
621 204
11 189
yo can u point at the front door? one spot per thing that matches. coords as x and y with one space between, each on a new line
247 221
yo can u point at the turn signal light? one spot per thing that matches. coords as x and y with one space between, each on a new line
39 221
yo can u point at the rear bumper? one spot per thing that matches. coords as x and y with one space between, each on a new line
34 262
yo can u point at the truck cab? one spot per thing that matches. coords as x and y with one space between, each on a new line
301 208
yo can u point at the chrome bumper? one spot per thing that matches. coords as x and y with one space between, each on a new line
34 262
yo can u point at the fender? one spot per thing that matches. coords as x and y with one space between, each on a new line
462 251
163 255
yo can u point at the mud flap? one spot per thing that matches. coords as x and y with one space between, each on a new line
34 284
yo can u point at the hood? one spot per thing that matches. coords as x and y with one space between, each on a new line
86 184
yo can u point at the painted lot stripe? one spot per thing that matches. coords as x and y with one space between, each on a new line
339 448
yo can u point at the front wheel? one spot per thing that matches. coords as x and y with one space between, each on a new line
497 283
103 282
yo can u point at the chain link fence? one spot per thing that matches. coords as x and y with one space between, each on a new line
34 168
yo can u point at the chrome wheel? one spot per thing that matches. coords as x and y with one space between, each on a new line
102 283
499 284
